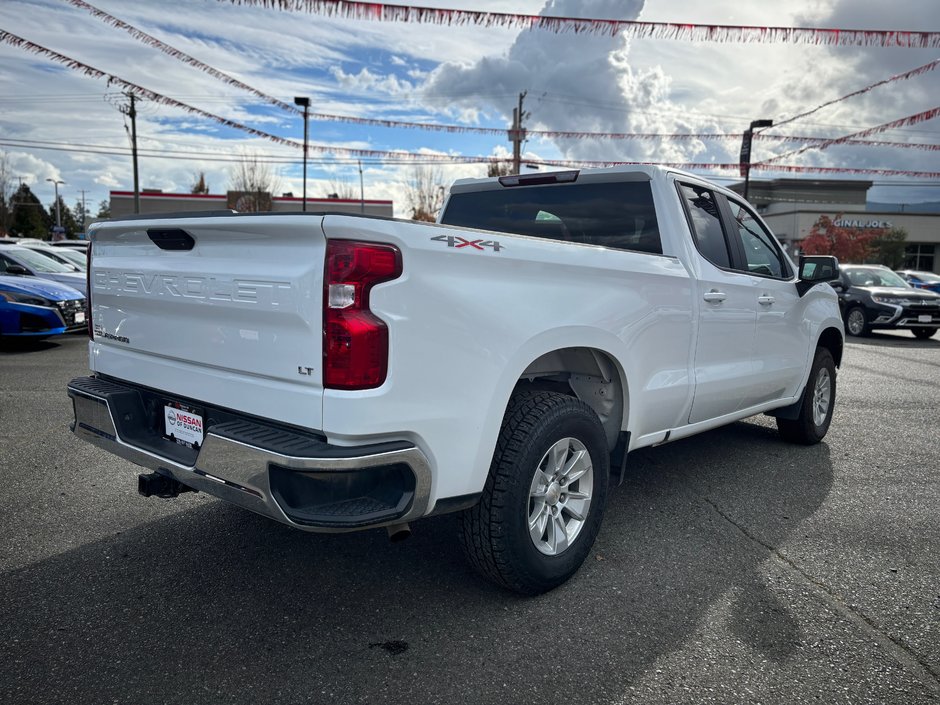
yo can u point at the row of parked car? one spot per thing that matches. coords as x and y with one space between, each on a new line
42 293
42 287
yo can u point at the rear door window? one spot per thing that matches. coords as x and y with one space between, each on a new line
617 215
761 253
705 220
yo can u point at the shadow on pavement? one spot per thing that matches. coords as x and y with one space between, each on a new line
215 604
17 346
902 339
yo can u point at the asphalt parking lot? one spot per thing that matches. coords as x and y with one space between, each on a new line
731 568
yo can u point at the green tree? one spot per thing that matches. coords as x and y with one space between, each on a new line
888 247
29 218
6 193
68 220
104 209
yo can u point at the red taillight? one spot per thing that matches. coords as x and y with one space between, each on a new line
91 328
355 341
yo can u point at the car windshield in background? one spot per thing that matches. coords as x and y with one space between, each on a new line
863 276
39 262
76 257
927 277
618 215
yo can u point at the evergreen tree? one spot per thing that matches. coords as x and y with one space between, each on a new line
104 210
199 184
81 215
68 219
29 219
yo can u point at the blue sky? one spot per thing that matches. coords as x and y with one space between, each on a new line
455 75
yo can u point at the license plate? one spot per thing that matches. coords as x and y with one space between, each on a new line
924 318
79 316
183 425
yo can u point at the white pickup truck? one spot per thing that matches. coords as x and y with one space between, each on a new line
339 372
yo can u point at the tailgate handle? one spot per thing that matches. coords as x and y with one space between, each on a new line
171 238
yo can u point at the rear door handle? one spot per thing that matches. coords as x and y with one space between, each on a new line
715 296
765 300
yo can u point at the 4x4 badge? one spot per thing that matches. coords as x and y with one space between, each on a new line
458 242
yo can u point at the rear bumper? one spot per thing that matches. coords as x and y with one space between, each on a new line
292 477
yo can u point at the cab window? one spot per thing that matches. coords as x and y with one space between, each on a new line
761 253
705 220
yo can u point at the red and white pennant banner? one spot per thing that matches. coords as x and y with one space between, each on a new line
161 99
849 139
384 12
182 56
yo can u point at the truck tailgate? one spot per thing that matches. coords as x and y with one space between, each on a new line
235 320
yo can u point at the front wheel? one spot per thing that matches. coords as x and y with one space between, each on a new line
856 322
923 333
544 497
819 399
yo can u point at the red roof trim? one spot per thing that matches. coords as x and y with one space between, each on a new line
220 197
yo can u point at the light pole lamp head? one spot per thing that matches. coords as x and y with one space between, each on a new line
302 101
761 123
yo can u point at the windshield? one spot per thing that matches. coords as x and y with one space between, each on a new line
863 276
39 262
927 277
58 257
79 259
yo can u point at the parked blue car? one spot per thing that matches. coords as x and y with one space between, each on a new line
37 308
921 280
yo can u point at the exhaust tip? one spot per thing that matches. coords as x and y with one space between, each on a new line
398 532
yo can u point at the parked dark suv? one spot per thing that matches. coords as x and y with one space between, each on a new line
873 297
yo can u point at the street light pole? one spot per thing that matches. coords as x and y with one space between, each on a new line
746 151
58 211
305 103
362 190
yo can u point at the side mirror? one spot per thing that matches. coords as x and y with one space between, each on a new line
17 269
815 269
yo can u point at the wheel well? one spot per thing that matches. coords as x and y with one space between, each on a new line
587 374
831 339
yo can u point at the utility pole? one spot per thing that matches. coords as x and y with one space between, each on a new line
304 102
58 211
362 190
131 112
84 210
517 135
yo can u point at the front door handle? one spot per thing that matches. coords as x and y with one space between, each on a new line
714 296
765 300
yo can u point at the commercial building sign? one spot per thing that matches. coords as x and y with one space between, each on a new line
862 223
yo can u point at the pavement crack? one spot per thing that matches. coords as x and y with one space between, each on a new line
901 653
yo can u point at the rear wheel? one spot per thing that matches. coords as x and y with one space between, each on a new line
544 497
923 333
856 322
816 407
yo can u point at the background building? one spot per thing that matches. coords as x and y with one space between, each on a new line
157 202
792 206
